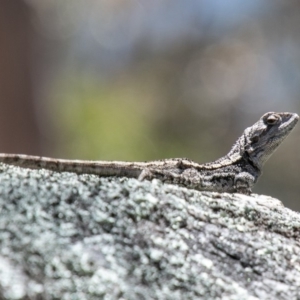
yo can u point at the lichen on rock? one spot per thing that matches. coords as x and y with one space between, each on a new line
65 236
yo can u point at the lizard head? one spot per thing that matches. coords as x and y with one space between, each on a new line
264 137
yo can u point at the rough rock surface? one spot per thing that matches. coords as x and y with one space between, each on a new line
65 236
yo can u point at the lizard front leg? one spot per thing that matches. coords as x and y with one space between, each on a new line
243 183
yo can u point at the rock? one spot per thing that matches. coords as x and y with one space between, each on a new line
65 236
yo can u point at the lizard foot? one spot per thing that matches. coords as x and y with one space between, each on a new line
146 174
243 183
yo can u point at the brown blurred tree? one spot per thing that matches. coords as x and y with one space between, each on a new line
18 126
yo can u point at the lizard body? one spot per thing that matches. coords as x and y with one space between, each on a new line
237 171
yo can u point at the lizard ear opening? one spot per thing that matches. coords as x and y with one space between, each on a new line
255 139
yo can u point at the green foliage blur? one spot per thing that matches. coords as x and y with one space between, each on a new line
152 80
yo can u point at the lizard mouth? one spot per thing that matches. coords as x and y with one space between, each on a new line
289 121
289 124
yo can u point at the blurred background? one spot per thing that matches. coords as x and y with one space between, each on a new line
142 80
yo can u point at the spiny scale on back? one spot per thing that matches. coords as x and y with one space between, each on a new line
235 172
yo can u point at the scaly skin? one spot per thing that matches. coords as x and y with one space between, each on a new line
237 171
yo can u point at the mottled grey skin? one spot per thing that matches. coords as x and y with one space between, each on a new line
237 171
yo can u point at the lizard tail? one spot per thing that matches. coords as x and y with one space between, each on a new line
101 168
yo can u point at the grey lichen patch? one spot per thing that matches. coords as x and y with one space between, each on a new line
65 236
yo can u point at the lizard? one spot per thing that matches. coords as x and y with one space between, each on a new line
235 172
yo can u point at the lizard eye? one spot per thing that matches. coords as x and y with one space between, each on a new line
272 120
